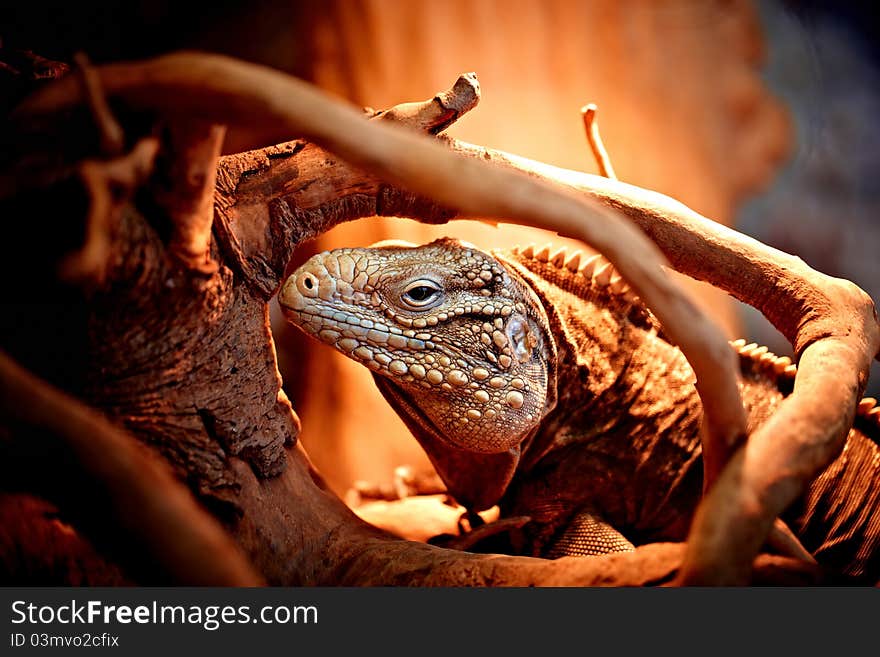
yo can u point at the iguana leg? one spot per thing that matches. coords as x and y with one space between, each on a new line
475 539
585 536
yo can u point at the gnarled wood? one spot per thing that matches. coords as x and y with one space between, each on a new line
456 182
830 322
165 536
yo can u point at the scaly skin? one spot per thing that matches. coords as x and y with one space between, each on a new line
541 383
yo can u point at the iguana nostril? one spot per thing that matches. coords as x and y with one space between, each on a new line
307 283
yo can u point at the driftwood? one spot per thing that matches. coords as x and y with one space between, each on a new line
189 366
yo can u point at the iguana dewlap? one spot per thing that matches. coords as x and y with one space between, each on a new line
539 382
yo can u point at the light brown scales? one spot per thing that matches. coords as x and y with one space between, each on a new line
449 368
469 362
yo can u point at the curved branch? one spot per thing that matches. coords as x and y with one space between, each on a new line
350 552
166 536
780 535
278 107
831 322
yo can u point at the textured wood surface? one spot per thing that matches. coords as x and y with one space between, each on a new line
294 531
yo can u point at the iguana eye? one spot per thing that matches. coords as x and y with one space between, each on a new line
421 294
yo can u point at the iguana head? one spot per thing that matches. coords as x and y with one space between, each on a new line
459 344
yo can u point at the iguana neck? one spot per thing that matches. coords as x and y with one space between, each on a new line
626 424
612 361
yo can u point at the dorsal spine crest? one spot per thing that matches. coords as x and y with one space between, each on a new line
594 268
782 372
598 272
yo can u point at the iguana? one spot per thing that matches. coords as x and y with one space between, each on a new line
538 381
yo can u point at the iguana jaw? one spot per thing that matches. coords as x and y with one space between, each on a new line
476 481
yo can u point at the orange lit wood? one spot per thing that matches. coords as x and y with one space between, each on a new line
830 322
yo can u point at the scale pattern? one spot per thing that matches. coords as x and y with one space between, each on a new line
538 380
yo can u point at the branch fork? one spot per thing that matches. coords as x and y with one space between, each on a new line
832 323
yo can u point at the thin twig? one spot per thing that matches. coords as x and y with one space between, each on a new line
594 138
112 138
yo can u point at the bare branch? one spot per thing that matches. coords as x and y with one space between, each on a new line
831 323
435 115
164 534
109 130
186 190
594 138
781 538
109 186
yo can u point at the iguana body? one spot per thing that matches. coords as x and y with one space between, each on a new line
540 383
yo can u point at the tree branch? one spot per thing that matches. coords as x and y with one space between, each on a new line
831 322
594 139
117 484
186 190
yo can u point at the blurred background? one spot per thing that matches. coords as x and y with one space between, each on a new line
761 115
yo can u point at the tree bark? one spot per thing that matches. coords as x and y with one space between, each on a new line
189 366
